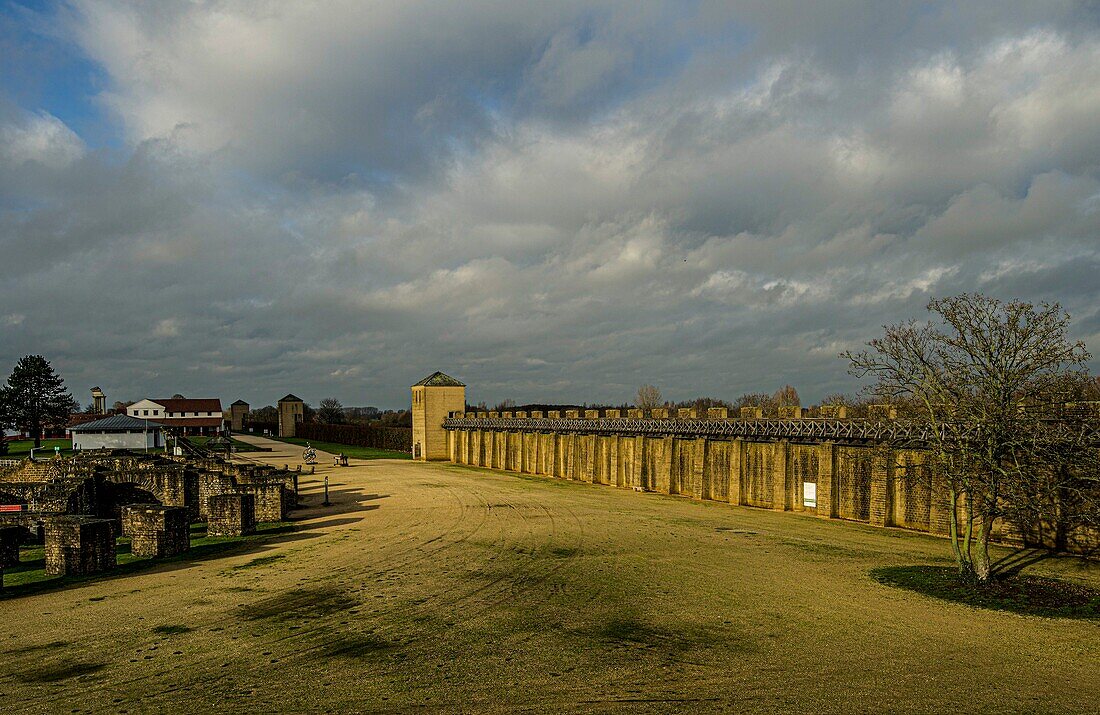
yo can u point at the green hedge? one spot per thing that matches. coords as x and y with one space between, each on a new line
396 439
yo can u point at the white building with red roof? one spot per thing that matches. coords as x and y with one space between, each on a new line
191 415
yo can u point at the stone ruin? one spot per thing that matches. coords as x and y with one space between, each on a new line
78 506
231 515
156 531
79 545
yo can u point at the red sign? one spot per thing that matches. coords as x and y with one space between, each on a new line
11 507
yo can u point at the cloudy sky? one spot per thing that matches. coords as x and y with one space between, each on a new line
547 200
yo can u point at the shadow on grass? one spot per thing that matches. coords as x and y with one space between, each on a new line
1024 595
207 548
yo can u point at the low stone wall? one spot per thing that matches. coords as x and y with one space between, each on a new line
231 515
156 531
79 546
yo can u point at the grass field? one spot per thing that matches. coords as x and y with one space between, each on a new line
19 449
30 575
432 587
350 450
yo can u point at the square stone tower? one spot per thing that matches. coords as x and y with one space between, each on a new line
237 412
433 399
292 411
99 401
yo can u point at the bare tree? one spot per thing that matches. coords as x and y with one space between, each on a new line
508 404
648 397
786 396
762 400
984 377
330 411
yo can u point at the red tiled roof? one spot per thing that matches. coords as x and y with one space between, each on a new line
198 404
80 418
190 421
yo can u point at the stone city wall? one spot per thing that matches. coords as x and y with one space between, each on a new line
855 482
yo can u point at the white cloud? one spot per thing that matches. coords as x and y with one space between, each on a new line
41 138
552 201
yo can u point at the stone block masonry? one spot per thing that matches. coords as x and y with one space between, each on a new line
79 546
273 500
156 531
231 515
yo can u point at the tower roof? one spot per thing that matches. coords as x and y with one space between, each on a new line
291 398
439 379
240 402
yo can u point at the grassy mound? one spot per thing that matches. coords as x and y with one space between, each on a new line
1025 595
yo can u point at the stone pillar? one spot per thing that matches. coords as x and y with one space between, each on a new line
939 513
752 413
613 477
882 472
271 500
79 546
664 468
718 413
231 515
737 462
781 476
636 464
697 468
826 480
156 531
588 468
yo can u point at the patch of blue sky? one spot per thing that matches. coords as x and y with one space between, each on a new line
44 71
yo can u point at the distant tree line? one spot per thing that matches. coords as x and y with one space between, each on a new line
330 411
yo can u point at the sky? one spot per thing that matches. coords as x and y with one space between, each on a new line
550 201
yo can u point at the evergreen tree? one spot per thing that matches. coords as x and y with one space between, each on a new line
35 397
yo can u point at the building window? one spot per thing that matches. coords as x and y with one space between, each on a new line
156 412
145 412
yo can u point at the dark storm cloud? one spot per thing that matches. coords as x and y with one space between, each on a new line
548 200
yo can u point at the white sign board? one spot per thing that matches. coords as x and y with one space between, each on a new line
809 494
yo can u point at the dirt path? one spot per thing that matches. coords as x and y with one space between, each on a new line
441 587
